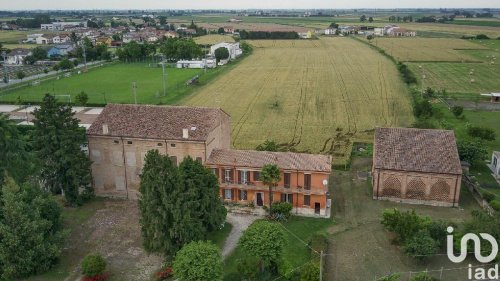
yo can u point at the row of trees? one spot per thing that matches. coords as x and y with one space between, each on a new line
268 35
401 19
34 163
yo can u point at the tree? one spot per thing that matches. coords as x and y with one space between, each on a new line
159 179
221 53
268 145
221 30
198 260
471 150
362 18
186 198
404 224
14 159
30 230
163 20
270 176
82 98
370 19
57 138
421 245
334 25
66 64
20 75
39 53
263 240
457 110
369 37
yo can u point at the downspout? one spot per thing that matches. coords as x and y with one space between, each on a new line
378 182
124 166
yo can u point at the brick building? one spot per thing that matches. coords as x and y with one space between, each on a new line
416 166
304 179
123 134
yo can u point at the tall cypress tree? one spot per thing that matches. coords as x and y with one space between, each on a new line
159 179
56 141
178 205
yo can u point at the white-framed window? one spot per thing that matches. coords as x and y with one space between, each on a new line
244 176
227 175
228 194
285 197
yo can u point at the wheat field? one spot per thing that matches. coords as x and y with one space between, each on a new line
315 96
428 49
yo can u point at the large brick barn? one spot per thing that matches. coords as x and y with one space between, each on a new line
417 166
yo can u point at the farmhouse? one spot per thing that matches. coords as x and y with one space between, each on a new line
122 135
45 39
17 56
416 166
304 179
233 48
400 32
171 34
495 164
330 31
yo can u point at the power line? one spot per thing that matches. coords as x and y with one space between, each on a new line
310 261
303 242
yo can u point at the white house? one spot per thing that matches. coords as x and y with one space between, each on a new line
378 31
233 48
495 164
209 63
31 38
45 39
61 39
17 56
62 25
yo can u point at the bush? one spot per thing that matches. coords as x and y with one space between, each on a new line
488 196
482 37
495 204
481 132
421 245
405 225
423 277
423 109
310 272
457 110
408 76
198 260
282 208
93 265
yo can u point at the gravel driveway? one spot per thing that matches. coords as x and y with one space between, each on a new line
240 223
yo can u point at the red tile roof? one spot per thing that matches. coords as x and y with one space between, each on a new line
157 122
257 159
419 150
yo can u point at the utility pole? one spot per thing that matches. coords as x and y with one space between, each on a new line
164 75
134 90
321 266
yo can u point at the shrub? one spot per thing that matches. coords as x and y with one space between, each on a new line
93 265
198 260
310 272
408 76
481 132
405 225
457 110
282 208
438 231
421 245
423 277
488 196
482 37
423 109
495 204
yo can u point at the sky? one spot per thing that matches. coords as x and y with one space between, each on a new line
242 4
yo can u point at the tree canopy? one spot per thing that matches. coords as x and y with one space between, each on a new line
198 260
180 49
57 138
186 198
221 53
264 240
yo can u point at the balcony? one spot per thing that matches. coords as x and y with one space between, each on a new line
259 186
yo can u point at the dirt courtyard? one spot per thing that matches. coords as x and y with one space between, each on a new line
361 249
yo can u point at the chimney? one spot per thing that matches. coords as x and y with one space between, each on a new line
185 133
105 129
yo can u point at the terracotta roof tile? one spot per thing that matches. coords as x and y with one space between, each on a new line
257 159
157 122
420 150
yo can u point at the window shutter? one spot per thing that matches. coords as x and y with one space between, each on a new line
239 176
248 176
283 197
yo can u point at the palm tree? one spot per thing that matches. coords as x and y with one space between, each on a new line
270 176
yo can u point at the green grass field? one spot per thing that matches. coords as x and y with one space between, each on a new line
113 83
